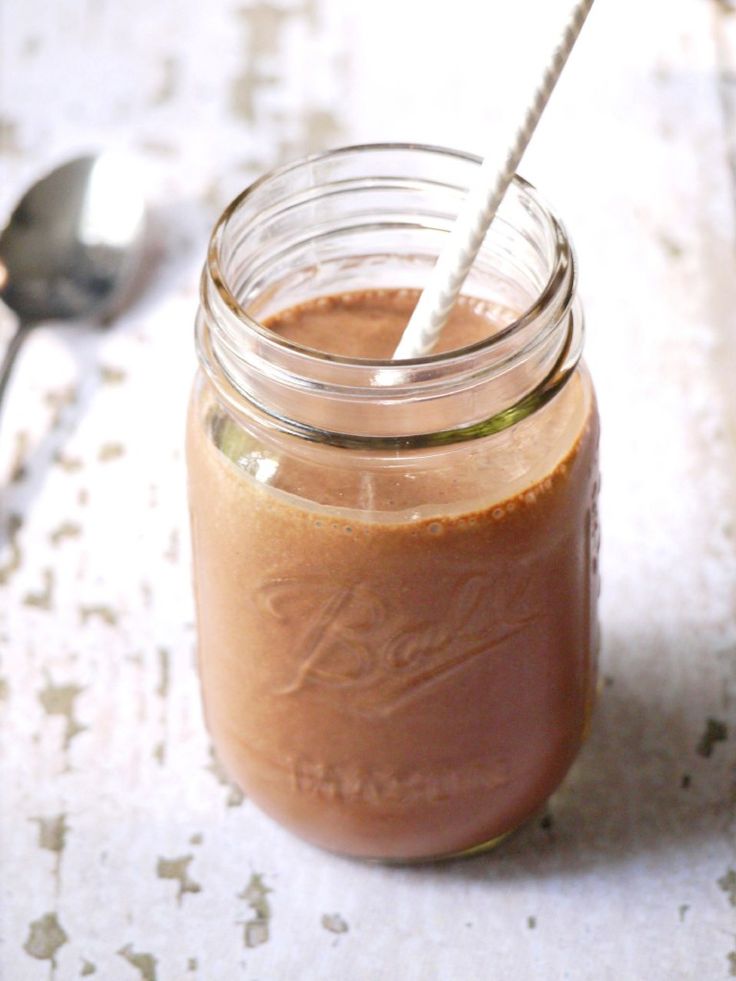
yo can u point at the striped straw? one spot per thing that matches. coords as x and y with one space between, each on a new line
479 209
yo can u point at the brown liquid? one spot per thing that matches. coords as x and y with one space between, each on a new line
404 669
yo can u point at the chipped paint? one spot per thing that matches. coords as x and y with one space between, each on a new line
18 469
67 529
44 598
715 732
9 138
236 796
110 451
98 611
172 551
257 929
670 247
52 832
309 11
159 147
4 689
727 883
334 923
110 375
262 24
58 400
88 968
169 81
70 464
178 870
682 911
159 753
46 936
164 674
196 839
12 564
60 700
213 197
192 964
146 594
144 962
321 130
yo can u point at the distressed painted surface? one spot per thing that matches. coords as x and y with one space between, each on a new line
124 852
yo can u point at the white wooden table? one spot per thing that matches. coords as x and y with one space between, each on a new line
124 853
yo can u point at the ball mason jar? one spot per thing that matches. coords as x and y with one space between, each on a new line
395 562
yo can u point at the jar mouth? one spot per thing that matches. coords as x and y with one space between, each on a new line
561 278
377 215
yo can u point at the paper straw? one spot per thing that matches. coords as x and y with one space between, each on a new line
479 208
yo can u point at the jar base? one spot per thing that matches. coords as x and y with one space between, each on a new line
480 849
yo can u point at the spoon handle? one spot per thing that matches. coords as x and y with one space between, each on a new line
11 353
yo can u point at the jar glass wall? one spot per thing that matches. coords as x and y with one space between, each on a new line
395 562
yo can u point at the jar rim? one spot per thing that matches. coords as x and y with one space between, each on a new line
562 266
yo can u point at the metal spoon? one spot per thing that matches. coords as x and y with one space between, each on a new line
71 247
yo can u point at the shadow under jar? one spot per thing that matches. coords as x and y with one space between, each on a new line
395 563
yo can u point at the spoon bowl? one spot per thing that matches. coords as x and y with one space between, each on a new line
72 246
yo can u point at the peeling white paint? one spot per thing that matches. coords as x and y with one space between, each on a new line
107 783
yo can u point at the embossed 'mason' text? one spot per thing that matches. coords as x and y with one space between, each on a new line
352 783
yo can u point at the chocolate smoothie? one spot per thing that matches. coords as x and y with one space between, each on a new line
397 660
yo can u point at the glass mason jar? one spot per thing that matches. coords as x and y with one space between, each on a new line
395 562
